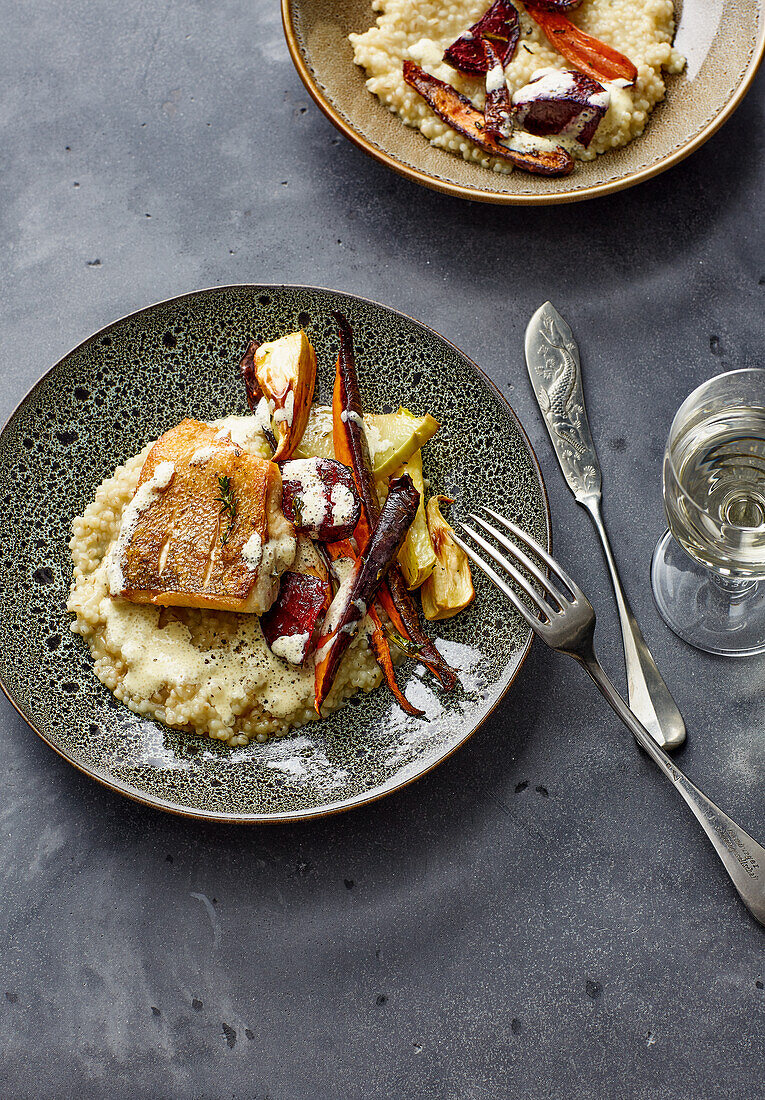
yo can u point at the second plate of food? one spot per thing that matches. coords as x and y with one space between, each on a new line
182 707
420 62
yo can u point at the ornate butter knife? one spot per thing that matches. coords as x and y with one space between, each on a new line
552 357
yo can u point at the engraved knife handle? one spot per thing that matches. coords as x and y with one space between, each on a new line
648 695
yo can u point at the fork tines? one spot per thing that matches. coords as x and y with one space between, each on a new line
546 603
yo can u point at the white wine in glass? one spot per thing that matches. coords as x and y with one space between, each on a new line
707 567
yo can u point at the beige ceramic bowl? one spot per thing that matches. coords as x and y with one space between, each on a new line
723 41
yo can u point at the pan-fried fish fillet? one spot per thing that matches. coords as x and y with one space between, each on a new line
178 545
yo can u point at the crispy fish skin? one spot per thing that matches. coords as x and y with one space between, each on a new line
459 113
185 550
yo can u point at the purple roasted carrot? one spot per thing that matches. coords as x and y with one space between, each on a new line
357 592
497 107
351 448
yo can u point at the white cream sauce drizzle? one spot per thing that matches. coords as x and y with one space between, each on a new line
343 503
252 552
495 79
263 414
290 647
143 499
201 456
313 499
546 83
285 415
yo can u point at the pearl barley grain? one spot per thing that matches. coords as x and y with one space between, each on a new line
217 676
420 30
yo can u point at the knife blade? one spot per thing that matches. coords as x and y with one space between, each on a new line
552 358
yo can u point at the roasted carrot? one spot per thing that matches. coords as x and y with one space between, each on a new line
541 158
497 108
381 650
341 548
351 448
356 593
348 435
378 641
589 54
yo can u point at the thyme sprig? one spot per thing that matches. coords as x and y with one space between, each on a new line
406 647
227 506
297 511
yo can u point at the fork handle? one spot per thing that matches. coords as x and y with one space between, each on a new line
647 692
742 857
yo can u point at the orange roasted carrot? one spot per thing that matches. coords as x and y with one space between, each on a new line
590 55
342 549
381 651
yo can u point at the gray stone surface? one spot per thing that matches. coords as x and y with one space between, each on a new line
539 917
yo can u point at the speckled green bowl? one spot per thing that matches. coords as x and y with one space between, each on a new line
132 381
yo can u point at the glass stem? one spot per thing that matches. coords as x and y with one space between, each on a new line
731 597
735 590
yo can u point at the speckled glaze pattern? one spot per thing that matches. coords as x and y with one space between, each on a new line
132 381
724 44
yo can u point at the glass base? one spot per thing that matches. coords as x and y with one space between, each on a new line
704 609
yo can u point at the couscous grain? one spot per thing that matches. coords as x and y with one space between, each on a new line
422 29
192 668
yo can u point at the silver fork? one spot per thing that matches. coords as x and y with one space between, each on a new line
563 617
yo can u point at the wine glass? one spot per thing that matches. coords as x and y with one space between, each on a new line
708 569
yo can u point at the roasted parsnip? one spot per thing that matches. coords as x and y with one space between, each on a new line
449 588
284 373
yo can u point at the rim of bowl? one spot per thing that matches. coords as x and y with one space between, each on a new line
357 801
463 191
